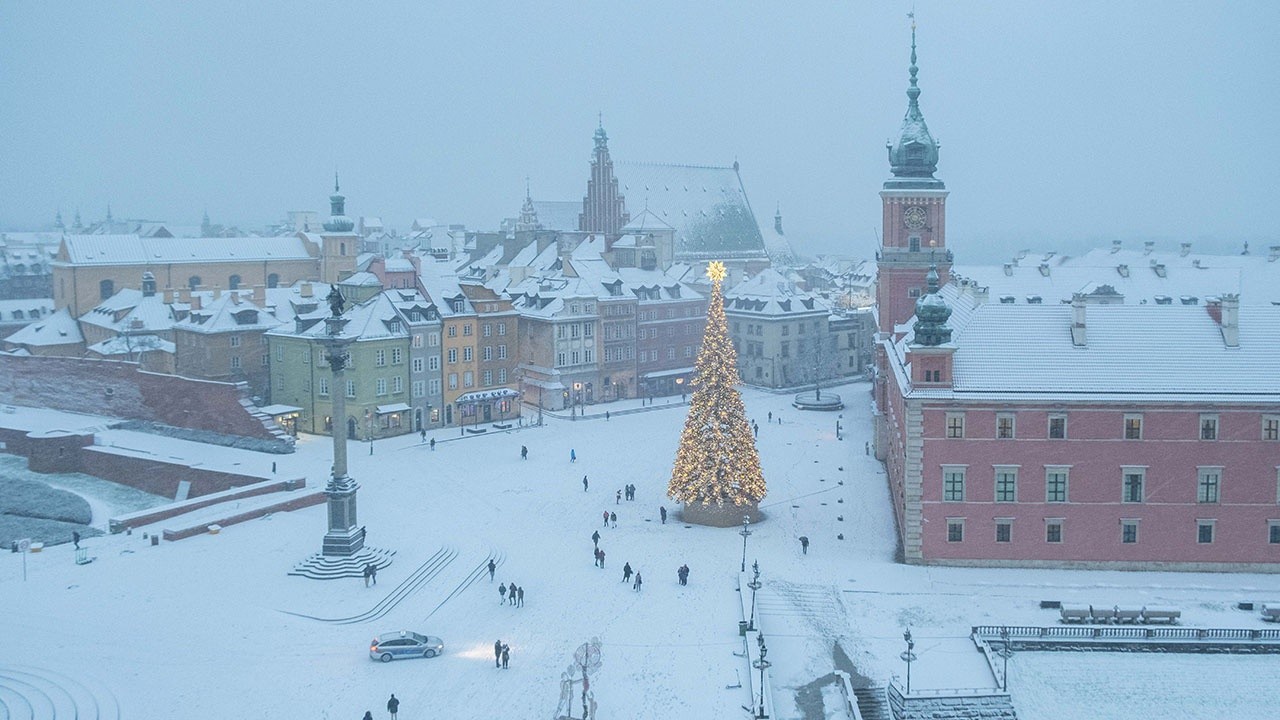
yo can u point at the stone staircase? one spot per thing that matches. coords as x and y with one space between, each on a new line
329 567
30 693
872 704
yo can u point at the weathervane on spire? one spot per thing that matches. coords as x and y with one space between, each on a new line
335 181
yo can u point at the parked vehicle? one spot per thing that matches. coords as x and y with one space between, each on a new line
404 644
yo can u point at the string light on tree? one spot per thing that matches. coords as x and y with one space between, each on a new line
717 466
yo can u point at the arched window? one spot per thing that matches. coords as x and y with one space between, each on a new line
193 282
273 280
342 248
106 289
233 282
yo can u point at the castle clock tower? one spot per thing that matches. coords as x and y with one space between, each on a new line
914 218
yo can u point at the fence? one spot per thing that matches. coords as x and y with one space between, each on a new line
1161 639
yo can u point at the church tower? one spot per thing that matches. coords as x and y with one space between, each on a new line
339 244
604 210
914 217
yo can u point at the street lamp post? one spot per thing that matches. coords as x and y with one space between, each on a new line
754 585
745 533
762 664
368 417
908 656
1005 652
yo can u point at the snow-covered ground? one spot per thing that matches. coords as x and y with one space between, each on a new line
195 629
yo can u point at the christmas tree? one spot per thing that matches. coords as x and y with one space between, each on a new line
717 465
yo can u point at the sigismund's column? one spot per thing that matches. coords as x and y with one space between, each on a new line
344 537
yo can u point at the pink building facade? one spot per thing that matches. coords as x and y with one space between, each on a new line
1082 435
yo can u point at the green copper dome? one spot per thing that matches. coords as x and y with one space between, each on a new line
914 158
932 313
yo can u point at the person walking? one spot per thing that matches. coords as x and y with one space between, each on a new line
373 573
75 538
519 597
804 544
606 416
423 431
511 594
366 573
506 656
606 518
584 483
770 416
492 567
524 452
601 559
636 585
617 497
502 593
393 706
596 554
595 538
613 518
573 455
626 572
662 510
368 715
497 653
433 444
755 430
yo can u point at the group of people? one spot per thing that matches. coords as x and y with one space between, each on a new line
626 576
370 573
628 491
501 654
683 574
393 707
511 595
610 517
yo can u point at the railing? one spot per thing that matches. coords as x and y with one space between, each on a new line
846 692
1125 632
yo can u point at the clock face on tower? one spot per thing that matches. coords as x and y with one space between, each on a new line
914 217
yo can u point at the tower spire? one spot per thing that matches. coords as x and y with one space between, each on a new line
915 154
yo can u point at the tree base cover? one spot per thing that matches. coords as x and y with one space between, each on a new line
727 515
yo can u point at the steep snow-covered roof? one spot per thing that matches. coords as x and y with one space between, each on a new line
133 249
56 329
706 205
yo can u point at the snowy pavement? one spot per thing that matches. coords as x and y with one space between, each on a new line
196 629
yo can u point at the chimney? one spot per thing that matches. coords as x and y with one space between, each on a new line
1115 246
217 291
195 302
260 295
1231 320
184 295
1123 270
1008 269
1213 306
168 296
1186 249
1275 253
235 298
1044 269
1148 246
1077 320
148 284
306 290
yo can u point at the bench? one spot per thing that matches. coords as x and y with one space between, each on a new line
1128 615
1103 615
1271 611
1152 615
1074 614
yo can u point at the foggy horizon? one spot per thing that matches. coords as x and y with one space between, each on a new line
1062 127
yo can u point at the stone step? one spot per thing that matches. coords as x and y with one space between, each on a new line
328 567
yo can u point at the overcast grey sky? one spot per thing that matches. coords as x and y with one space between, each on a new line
1061 123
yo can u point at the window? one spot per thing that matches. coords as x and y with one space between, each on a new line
786 330
502 329
433 339
933 376
433 362
467 354
380 386
416 365
1004 530
913 293
1129 532
273 280
397 384
688 351
434 386
560 359
265 360
1055 484
1006 484
588 356
453 381
671 353
486 330
953 483
1273 532
1208 427
502 351
468 379
1271 427
502 375
452 331
453 355
380 358
1204 531
323 384
1133 480
486 353
467 330
786 349
1210 481
1132 427
235 341
106 289
487 377
574 330
280 354
233 282
955 530
397 356
235 362
1057 427
1053 531
351 388
588 330
955 425
193 282
1004 426
418 388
